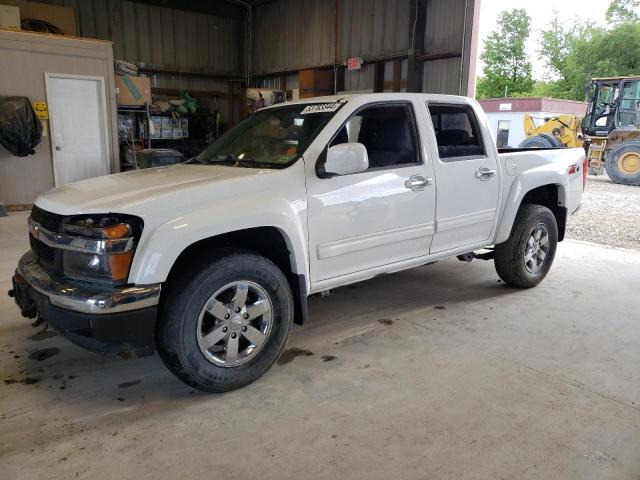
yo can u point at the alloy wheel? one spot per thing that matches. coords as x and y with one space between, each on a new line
235 323
537 248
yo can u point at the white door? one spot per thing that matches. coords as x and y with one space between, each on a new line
467 176
77 115
377 217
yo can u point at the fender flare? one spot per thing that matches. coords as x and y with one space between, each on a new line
523 184
161 245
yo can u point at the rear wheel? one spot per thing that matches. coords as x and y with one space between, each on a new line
623 163
526 257
224 326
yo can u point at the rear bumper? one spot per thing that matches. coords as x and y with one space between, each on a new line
102 319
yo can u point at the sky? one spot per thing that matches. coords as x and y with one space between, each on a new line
541 12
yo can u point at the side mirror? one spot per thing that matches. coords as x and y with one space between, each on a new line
347 158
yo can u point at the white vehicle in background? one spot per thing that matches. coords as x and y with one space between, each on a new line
211 262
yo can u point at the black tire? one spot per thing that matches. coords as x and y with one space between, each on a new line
177 331
541 141
510 256
620 155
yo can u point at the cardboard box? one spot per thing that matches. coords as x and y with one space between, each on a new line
62 17
133 91
315 83
9 17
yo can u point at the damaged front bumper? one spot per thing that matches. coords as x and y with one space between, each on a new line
98 318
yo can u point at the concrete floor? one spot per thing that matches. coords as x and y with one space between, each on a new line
439 372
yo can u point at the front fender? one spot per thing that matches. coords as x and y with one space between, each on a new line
522 184
161 245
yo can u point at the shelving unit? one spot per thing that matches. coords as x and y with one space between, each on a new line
140 116
134 132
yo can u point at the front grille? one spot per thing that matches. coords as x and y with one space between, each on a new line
50 221
49 258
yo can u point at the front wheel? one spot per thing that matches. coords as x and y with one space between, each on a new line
623 163
224 325
526 257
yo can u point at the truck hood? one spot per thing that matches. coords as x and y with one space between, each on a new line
133 192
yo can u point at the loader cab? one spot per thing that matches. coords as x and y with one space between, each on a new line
613 104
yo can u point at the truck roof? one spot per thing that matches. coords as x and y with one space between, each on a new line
366 97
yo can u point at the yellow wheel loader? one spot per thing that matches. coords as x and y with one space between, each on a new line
609 132
560 131
612 128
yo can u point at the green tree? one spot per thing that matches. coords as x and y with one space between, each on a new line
506 65
603 53
623 11
576 53
556 48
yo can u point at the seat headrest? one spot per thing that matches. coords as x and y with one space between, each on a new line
454 136
394 135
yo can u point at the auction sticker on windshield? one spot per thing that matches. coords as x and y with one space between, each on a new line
320 108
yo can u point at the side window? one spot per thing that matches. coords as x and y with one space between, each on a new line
629 104
502 138
457 132
387 132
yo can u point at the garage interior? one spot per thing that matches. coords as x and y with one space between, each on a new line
206 55
441 371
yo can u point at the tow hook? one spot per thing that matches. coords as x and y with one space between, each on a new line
37 322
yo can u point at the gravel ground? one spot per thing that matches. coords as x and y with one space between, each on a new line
610 215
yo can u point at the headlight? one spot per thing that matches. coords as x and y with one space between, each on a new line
102 248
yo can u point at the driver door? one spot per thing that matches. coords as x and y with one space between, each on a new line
377 217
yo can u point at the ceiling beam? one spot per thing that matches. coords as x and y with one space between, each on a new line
219 8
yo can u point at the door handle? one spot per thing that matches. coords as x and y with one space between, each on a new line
58 148
418 182
485 174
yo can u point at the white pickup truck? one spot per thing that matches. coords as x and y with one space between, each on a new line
211 262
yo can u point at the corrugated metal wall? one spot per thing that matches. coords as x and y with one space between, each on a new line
359 80
295 34
292 35
444 26
168 38
445 33
373 28
164 36
287 35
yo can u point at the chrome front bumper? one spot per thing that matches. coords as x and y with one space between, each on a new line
86 298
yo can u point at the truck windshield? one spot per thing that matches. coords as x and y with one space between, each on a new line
270 138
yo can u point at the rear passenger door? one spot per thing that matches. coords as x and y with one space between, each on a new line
467 178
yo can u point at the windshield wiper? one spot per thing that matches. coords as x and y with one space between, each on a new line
244 162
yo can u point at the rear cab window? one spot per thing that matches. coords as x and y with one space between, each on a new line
457 133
